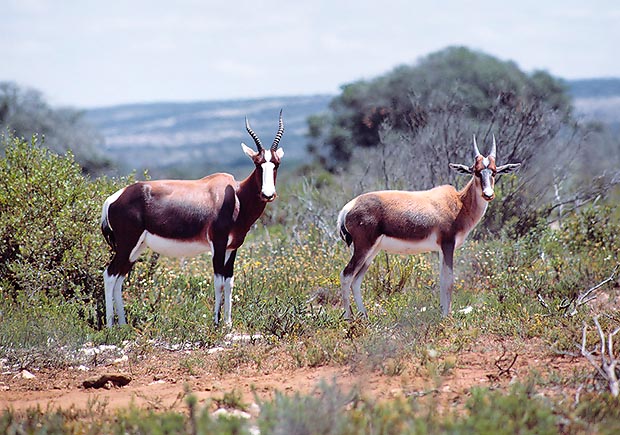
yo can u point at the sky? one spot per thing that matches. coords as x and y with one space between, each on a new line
86 53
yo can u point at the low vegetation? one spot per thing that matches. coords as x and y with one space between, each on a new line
550 276
287 293
330 410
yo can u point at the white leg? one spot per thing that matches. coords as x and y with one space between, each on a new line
109 282
118 300
228 287
345 284
359 277
218 283
446 279
354 281
357 289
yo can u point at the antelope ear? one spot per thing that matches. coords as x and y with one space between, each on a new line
461 168
249 151
504 169
279 153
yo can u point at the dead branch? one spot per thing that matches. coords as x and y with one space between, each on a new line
505 370
543 302
599 187
608 365
586 296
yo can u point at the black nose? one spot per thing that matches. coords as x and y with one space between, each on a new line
267 198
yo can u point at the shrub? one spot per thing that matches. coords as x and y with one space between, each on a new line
320 413
520 411
50 241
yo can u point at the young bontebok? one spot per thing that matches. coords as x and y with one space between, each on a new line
405 222
184 218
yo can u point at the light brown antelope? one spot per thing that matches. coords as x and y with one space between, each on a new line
184 218
403 222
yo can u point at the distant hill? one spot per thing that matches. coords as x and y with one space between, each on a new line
597 100
594 88
189 140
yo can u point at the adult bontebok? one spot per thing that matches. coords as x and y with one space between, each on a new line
184 218
404 222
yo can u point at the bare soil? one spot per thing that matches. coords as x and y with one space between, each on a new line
161 378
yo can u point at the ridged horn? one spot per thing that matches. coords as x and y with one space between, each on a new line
494 149
276 141
476 150
259 146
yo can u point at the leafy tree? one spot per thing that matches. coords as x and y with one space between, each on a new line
411 95
24 113
405 127
50 242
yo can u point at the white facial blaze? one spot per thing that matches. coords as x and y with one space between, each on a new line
269 185
487 179
487 183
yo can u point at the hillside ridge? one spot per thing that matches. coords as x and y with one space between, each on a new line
193 138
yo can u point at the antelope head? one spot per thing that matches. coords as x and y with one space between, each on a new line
485 169
266 161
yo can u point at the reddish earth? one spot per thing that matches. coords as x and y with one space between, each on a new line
160 379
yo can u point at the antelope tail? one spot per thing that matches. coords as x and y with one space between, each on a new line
342 229
106 229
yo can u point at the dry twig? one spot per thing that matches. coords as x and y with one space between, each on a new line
583 298
505 370
588 295
608 366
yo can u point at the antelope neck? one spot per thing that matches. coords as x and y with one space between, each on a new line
251 205
471 197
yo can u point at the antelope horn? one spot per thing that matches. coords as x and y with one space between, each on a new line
476 150
494 149
259 147
276 141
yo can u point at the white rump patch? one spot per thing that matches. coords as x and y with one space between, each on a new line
398 246
106 205
343 213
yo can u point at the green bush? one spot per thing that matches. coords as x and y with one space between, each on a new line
548 264
331 410
602 410
320 413
519 412
50 242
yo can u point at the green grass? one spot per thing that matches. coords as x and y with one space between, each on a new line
287 290
332 410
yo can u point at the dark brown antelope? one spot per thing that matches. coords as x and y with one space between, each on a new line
184 218
403 222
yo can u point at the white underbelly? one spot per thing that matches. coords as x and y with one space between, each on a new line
398 246
176 248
